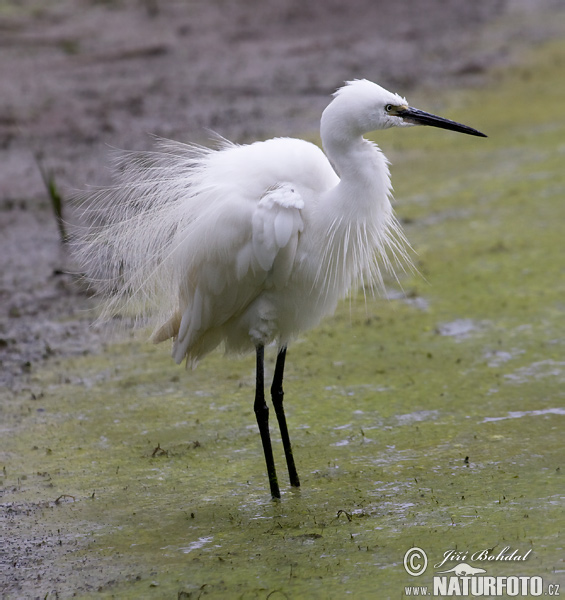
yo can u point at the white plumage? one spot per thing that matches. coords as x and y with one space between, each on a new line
246 244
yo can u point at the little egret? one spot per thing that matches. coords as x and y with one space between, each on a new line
248 244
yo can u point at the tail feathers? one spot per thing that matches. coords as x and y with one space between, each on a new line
198 347
167 331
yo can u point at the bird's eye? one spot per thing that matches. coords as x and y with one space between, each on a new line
389 107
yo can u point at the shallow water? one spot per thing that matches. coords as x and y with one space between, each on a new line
436 423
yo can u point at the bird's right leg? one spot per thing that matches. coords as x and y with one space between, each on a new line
277 395
262 414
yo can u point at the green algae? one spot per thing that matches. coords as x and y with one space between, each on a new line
431 419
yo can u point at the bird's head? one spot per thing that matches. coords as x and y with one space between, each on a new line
361 106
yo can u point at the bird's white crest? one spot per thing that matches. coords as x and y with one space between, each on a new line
368 93
243 244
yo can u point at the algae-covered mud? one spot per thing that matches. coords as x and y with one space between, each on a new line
431 419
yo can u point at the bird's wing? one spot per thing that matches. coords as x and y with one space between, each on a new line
190 236
276 224
219 288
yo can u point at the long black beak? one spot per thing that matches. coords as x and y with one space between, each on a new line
419 117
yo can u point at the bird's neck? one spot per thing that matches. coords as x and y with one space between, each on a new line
364 187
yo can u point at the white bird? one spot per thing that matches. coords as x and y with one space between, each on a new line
248 244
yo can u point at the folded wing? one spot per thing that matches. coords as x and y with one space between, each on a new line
243 259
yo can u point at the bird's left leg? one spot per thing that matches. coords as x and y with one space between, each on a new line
262 415
277 396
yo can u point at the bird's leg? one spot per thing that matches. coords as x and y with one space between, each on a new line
277 396
262 414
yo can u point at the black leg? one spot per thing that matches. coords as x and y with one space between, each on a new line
277 396
262 414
